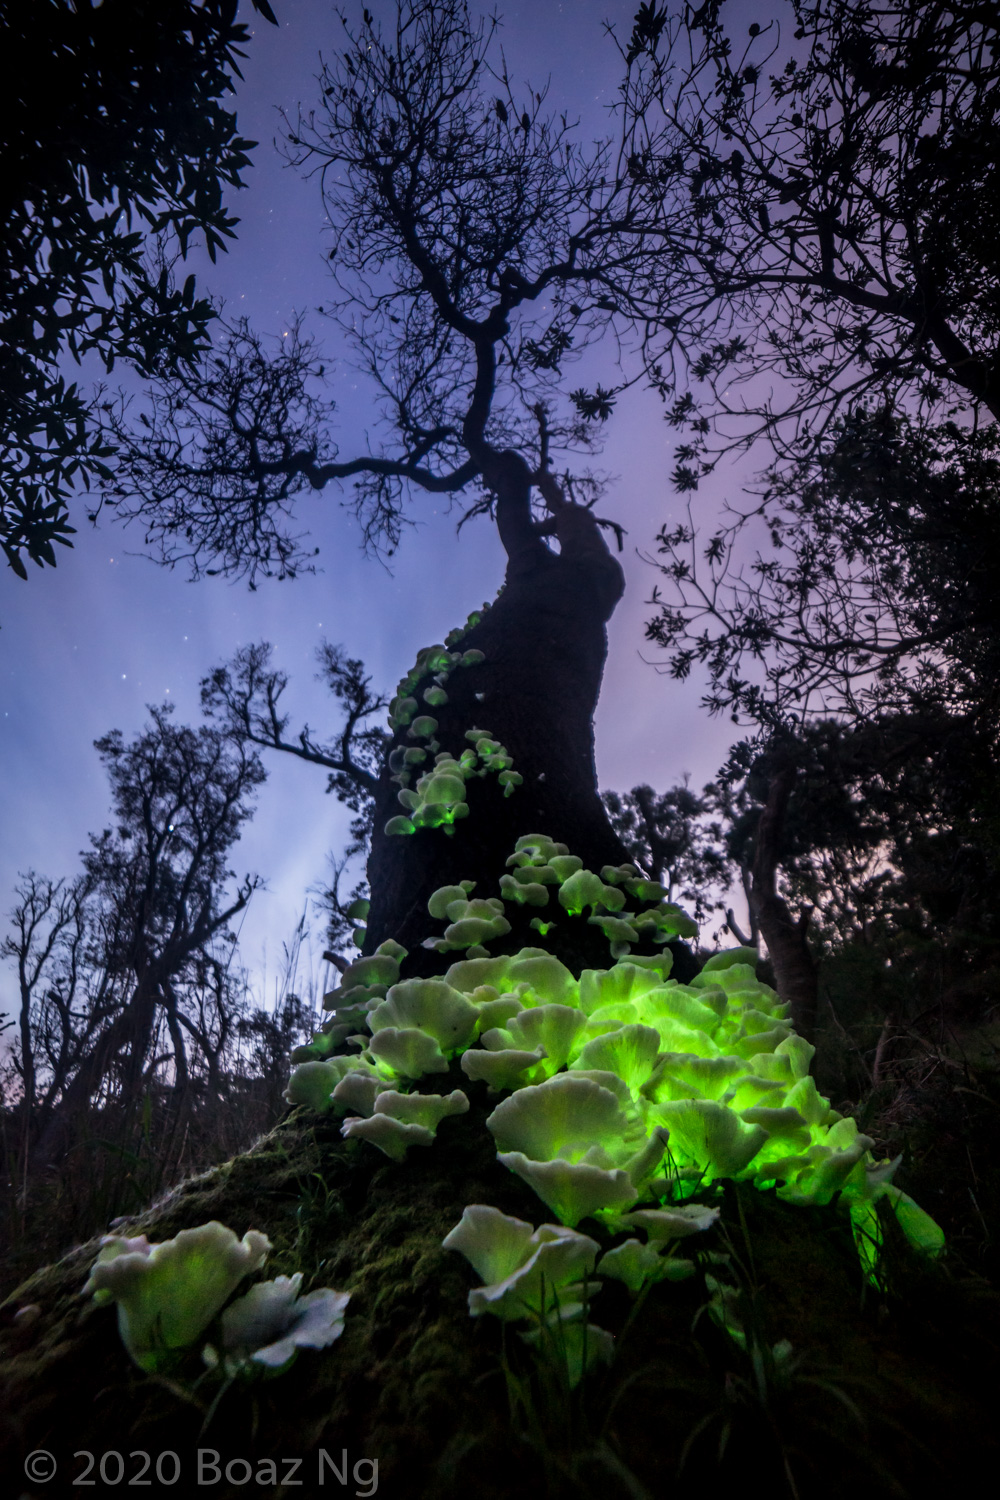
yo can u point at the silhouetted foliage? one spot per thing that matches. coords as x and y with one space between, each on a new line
116 152
468 262
244 698
823 193
140 1052
675 838
872 588
128 969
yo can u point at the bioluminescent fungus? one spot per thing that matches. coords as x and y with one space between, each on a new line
262 1332
573 1142
527 1271
392 1137
168 1294
538 1276
637 1264
315 1083
433 1006
626 1087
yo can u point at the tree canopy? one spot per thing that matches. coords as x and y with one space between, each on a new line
824 194
117 151
471 259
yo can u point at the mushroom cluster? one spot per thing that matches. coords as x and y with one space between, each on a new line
438 798
625 1088
169 1294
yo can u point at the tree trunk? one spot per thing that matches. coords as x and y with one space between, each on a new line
545 643
126 1038
795 971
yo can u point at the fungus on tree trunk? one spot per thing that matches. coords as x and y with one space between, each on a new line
544 645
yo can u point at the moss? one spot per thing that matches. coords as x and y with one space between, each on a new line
416 1383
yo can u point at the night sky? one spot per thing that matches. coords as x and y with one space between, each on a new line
84 648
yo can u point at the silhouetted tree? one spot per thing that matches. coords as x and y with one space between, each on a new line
244 698
471 215
135 955
674 837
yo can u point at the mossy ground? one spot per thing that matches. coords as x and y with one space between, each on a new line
889 1392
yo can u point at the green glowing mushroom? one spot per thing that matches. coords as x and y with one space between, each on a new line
167 1294
358 1092
377 969
676 1223
637 1264
432 1005
548 981
472 930
555 1028
421 1109
630 1053
313 1083
499 1065
408 1051
582 889
574 1143
263 1331
494 1009
718 961
572 1190
441 785
444 896
619 933
531 893
539 849
532 874
709 1136
923 1233
392 1137
527 1272
666 921
626 981
402 710
684 1075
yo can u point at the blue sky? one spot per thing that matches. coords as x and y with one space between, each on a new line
84 648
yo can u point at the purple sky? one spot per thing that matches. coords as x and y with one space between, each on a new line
84 648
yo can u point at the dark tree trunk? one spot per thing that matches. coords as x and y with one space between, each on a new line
544 642
795 971
126 1042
